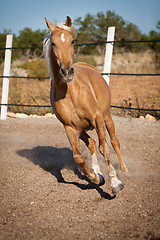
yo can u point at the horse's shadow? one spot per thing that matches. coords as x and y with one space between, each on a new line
53 160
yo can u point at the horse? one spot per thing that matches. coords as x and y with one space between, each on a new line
80 98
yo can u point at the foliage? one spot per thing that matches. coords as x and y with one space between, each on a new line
94 28
33 39
26 38
36 68
3 43
155 35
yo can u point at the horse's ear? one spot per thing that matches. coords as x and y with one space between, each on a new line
68 22
50 25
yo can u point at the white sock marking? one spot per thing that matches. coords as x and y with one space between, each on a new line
114 180
62 37
95 165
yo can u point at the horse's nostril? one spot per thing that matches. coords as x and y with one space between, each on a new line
63 72
71 70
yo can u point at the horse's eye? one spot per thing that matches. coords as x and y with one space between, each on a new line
72 42
53 44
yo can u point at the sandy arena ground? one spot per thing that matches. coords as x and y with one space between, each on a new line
44 195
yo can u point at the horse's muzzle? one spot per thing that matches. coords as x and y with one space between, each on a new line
67 74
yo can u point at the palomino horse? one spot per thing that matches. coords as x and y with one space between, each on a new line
81 98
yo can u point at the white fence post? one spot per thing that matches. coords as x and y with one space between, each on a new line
108 54
6 73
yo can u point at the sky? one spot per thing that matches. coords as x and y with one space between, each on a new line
18 14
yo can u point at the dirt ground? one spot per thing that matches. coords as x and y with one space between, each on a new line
44 195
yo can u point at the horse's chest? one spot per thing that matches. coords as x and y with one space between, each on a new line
68 114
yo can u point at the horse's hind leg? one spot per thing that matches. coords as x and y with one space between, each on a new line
91 144
116 184
114 140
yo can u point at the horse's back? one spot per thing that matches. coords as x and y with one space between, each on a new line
99 85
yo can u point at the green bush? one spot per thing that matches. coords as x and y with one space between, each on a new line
36 68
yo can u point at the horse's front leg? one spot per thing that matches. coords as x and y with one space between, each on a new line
73 136
91 144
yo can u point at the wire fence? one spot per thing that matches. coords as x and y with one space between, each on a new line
113 106
114 74
85 44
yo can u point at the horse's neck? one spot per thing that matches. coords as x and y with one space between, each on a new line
54 67
60 88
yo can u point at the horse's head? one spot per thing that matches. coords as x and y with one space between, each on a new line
62 43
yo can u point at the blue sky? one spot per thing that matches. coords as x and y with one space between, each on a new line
18 14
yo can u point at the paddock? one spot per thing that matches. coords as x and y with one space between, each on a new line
44 195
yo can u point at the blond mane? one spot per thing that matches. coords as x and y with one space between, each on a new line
47 54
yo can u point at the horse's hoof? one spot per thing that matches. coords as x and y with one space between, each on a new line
124 169
117 188
101 179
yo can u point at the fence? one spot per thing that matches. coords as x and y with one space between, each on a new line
106 71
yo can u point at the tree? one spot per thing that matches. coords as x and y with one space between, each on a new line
158 25
86 30
94 28
155 35
26 38
3 43
33 39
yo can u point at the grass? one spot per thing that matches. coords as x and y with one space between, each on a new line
29 92
144 62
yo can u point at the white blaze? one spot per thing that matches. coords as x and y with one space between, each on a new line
62 37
